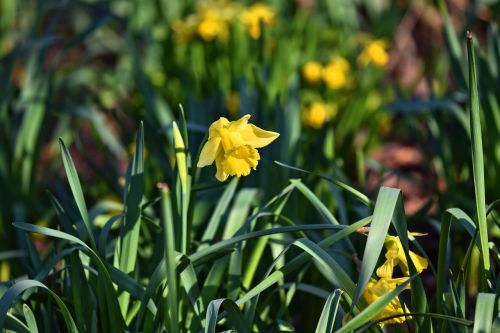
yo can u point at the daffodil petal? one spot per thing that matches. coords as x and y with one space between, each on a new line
209 152
419 262
239 124
257 137
217 127
240 161
220 175
386 270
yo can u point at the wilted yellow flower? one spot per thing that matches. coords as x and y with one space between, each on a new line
233 104
312 72
318 113
336 72
395 256
378 288
375 52
256 14
232 145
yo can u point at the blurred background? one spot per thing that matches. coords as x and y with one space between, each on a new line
371 92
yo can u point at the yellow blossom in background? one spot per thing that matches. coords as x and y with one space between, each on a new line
378 288
318 113
395 256
374 52
256 15
211 21
4 271
212 25
312 72
233 146
40 223
185 30
233 104
335 74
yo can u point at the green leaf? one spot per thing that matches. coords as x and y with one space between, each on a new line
233 314
382 216
17 289
76 189
484 316
171 311
129 233
358 195
477 156
30 319
326 321
115 320
219 211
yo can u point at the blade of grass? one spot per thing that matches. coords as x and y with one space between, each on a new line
233 313
484 316
76 189
385 207
220 209
17 289
30 319
115 320
129 233
326 321
358 195
477 156
171 314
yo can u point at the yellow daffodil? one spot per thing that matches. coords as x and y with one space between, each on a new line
233 146
318 113
395 256
312 72
256 15
375 52
335 74
376 289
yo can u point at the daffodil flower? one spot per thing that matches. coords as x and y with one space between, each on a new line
233 146
395 256
378 288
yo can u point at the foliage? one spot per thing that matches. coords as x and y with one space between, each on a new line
144 240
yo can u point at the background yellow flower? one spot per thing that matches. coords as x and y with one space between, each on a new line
312 72
335 74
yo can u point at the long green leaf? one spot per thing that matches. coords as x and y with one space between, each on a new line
233 314
171 312
382 216
115 319
17 289
477 156
326 321
30 319
129 236
484 316
76 189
